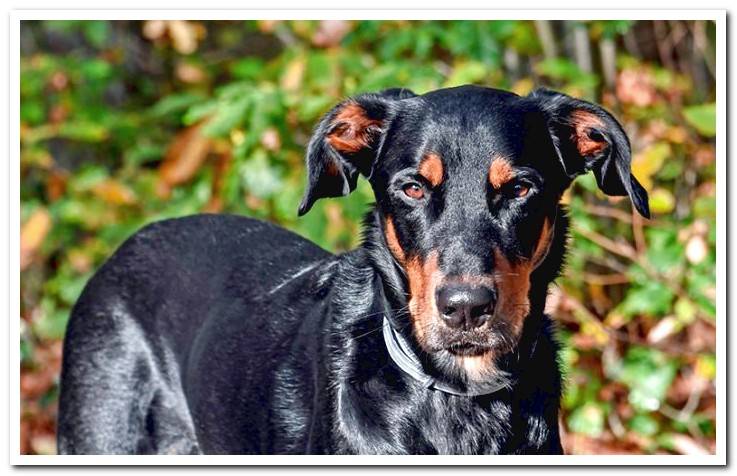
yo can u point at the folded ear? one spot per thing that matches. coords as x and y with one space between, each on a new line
345 143
587 137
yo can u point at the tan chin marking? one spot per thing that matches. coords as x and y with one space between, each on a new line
423 278
477 367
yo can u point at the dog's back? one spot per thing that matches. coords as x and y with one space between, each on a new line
145 321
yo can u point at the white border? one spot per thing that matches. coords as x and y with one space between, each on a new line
719 16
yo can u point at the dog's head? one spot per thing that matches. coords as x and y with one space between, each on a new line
467 183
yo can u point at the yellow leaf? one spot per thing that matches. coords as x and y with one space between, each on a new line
523 87
662 201
292 78
646 163
114 192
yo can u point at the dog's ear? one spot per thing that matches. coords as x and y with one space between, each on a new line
345 143
586 137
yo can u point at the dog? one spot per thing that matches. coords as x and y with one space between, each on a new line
221 334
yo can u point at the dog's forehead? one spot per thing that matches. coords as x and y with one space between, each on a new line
468 126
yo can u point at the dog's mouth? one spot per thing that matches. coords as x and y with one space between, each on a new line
467 349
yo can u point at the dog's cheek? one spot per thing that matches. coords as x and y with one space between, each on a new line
423 277
513 279
513 286
392 241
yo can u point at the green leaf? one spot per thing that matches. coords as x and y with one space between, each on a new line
97 32
644 424
648 373
226 117
649 298
259 176
175 103
588 419
465 73
703 118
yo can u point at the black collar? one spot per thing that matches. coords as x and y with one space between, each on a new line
402 354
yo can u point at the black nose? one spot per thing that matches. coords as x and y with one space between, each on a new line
465 306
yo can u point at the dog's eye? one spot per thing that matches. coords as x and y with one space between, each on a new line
414 190
520 189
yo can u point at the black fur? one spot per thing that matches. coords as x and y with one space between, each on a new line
222 334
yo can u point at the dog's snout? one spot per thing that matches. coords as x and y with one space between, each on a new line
465 306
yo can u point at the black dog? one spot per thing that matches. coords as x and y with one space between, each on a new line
221 334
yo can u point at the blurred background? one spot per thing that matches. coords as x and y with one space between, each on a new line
127 122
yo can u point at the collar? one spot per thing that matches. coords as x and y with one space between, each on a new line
406 359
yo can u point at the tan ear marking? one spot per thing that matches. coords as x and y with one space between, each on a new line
353 129
583 122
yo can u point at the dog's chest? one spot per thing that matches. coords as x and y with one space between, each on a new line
458 425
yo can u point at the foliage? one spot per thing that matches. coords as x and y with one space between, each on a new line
123 123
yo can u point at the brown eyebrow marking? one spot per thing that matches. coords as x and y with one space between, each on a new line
354 130
583 122
431 167
500 172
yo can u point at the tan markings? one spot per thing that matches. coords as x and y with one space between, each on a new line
391 239
477 367
353 129
583 121
513 287
431 167
513 280
500 172
543 243
423 279
331 168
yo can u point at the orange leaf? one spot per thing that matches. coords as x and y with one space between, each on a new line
32 234
114 192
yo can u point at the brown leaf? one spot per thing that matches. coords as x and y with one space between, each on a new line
56 185
59 81
216 203
701 337
183 158
32 234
